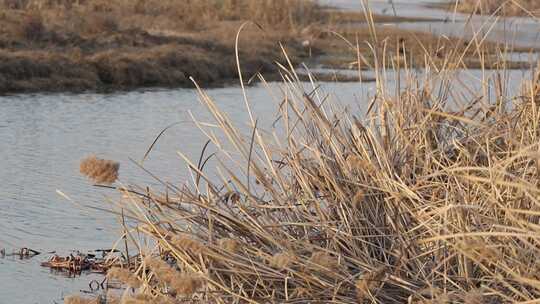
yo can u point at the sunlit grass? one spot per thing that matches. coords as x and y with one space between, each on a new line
430 196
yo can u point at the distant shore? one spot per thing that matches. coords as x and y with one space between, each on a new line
79 46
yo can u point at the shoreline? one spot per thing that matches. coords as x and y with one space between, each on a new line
137 59
471 7
46 59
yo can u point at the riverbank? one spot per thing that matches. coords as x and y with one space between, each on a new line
81 46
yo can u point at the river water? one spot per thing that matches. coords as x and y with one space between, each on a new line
44 136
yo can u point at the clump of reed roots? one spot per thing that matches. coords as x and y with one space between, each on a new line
431 197
100 171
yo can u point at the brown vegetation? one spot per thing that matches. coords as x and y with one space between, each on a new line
61 45
430 198
77 45
500 7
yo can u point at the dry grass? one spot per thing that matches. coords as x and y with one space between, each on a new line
500 7
78 45
187 14
100 171
431 197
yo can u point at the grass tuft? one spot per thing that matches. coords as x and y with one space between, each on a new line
430 196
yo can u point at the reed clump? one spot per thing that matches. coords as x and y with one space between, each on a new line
430 196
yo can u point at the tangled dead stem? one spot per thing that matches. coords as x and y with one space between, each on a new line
421 201
431 197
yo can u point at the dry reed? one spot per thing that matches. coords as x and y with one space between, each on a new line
501 7
431 197
100 171
451 206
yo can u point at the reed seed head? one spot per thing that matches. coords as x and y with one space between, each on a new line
125 276
187 284
353 161
367 283
358 198
100 171
324 259
474 296
188 244
158 266
229 245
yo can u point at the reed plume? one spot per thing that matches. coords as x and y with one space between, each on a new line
282 260
100 171
181 283
230 245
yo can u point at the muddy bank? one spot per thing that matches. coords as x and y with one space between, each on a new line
130 60
136 59
93 45
80 47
